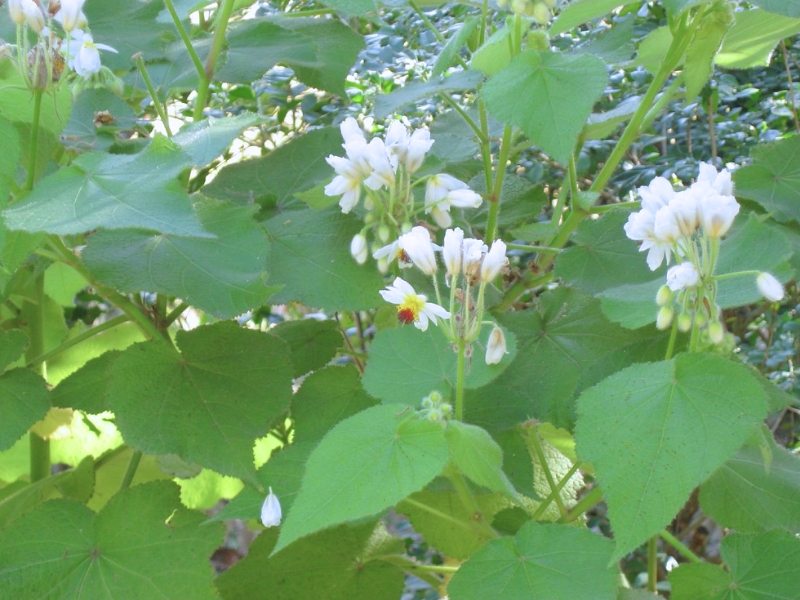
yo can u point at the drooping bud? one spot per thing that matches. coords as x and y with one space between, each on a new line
664 295
494 261
271 510
34 16
685 322
770 287
716 332
664 319
496 347
17 14
358 248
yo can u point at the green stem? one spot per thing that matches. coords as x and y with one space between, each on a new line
673 334
130 472
497 189
424 572
460 375
572 169
529 248
175 313
439 514
89 333
37 113
198 64
583 505
162 114
674 54
652 563
33 315
555 492
528 281
220 31
462 489
535 447
469 120
679 546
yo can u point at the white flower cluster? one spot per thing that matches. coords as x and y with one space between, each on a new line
469 263
381 171
690 224
81 52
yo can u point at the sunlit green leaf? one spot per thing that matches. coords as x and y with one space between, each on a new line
24 399
753 37
773 180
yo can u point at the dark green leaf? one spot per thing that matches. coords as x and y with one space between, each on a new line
185 405
773 180
113 192
312 344
635 427
223 275
541 561
578 13
310 256
86 388
478 457
12 344
363 466
64 550
418 90
536 92
454 45
24 399
329 565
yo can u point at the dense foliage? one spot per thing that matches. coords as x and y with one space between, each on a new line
473 299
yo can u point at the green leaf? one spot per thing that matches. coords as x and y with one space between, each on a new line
113 192
635 427
364 465
495 54
760 566
478 457
602 125
406 364
455 537
336 46
614 46
205 140
536 92
312 344
9 162
541 561
185 405
352 8
24 399
16 102
283 472
203 490
700 53
454 45
326 398
257 45
632 305
789 8
751 494
653 50
385 105
773 180
522 201
12 344
310 256
602 257
330 565
223 275
64 550
130 26
274 179
565 334
97 118
578 13
77 483
86 388
753 37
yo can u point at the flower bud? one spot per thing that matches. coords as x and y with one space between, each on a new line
17 14
716 332
664 319
700 319
34 16
384 233
541 13
664 295
496 347
685 322
271 511
358 248
494 261
770 287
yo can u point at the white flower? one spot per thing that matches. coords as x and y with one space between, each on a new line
770 287
347 182
443 191
412 307
685 210
87 60
682 276
452 251
717 213
720 181
641 227
383 169
472 255
351 132
666 226
656 195
496 347
70 15
17 14
494 261
358 248
417 245
33 15
409 150
271 511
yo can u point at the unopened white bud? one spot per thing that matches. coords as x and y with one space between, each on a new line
271 511
17 14
716 332
384 233
770 287
358 248
496 347
494 261
664 318
34 16
685 322
664 295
